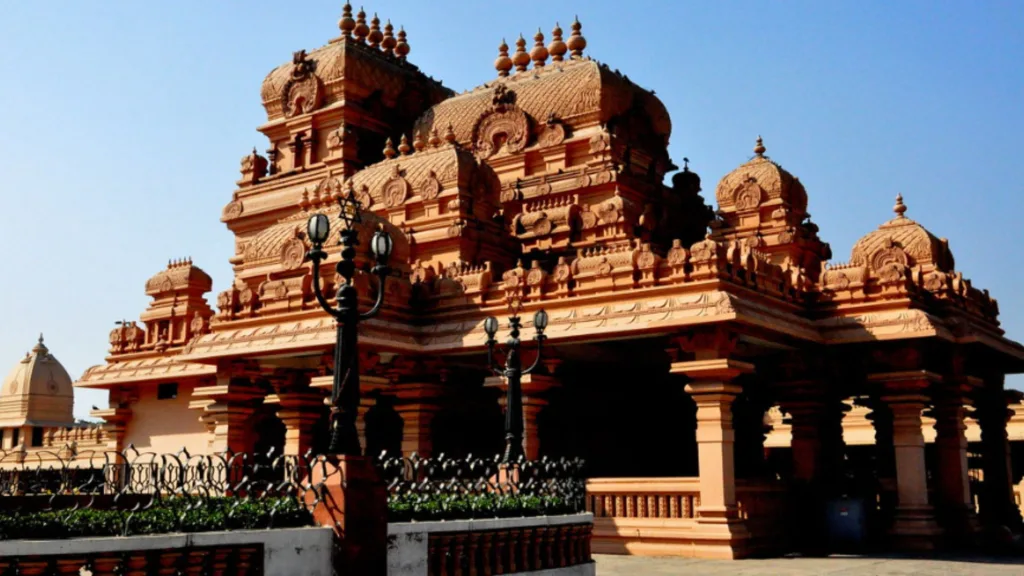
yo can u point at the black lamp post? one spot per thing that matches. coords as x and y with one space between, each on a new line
345 390
513 373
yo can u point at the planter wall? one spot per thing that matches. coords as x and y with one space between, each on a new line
555 545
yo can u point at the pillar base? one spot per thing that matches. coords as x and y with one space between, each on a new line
720 533
355 504
915 529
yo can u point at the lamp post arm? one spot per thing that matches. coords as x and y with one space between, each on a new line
490 358
317 255
536 361
382 273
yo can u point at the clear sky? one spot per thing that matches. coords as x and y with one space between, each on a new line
123 124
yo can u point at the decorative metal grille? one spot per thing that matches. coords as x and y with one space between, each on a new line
462 488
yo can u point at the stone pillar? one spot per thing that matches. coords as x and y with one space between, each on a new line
914 526
998 505
418 405
719 530
953 490
534 387
228 406
369 386
299 412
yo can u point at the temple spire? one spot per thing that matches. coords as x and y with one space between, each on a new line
900 208
521 58
759 148
346 24
402 48
539 54
557 48
361 28
503 63
576 40
389 42
375 34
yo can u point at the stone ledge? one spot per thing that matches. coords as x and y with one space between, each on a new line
481 525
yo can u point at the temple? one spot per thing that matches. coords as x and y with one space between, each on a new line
679 334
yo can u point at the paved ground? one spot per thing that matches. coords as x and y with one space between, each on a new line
836 565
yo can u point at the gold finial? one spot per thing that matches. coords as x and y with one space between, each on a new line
419 143
402 48
375 35
576 40
389 149
449 134
539 54
434 140
557 48
346 24
759 149
900 207
503 64
389 39
403 146
521 59
361 28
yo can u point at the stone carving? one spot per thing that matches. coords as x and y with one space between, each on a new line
563 272
499 130
396 189
599 142
232 210
198 325
553 134
535 277
889 261
293 254
301 94
748 197
430 187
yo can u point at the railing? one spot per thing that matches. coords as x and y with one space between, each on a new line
145 492
643 497
464 488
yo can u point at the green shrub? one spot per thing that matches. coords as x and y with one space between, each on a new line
409 507
168 516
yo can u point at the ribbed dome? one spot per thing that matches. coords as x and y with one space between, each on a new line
38 389
577 92
920 246
762 179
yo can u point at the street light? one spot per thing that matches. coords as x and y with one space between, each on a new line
513 372
345 388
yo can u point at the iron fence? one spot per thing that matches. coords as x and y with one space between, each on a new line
147 492
472 487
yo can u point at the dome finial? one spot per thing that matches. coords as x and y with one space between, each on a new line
402 47
539 54
346 24
521 59
449 134
361 30
900 207
759 149
375 35
576 40
557 48
503 63
40 338
389 149
403 146
389 42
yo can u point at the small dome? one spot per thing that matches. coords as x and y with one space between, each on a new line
37 390
765 177
905 240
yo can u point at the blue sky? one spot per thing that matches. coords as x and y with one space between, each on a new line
124 121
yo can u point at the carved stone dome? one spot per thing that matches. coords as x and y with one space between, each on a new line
759 180
576 92
904 240
37 391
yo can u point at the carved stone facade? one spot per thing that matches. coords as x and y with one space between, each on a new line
545 187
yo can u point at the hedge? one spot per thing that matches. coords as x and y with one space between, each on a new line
409 507
173 515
